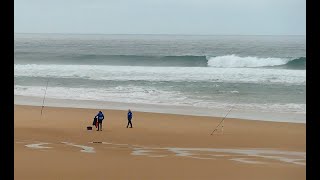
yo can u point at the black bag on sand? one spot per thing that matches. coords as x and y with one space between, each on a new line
94 121
89 128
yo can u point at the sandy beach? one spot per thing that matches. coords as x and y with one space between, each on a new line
160 146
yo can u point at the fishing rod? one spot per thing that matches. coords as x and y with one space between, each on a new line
225 117
44 97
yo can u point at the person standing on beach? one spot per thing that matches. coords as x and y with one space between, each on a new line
129 118
100 118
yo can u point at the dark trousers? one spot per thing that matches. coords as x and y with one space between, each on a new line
99 125
129 122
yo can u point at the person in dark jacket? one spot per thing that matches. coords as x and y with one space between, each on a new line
100 118
129 118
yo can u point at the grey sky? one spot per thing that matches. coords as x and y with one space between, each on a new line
244 17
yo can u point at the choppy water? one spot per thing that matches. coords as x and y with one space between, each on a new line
260 73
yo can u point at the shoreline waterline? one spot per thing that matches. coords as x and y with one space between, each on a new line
166 109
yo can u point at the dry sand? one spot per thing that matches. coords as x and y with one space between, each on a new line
160 146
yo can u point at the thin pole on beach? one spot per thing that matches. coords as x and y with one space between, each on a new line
44 97
222 121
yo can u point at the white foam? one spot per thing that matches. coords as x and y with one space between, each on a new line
150 96
249 61
196 157
38 146
240 155
285 159
245 160
140 152
86 149
196 153
260 153
126 94
180 151
144 152
124 73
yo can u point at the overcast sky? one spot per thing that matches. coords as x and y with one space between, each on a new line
236 17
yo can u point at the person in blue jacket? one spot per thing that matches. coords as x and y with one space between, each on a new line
129 118
100 118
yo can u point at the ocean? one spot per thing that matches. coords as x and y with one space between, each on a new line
258 77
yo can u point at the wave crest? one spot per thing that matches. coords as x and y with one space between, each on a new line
225 61
233 61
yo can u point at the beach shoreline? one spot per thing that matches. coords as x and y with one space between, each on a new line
166 109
